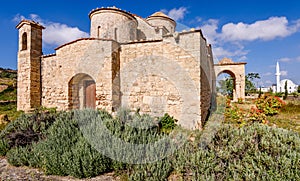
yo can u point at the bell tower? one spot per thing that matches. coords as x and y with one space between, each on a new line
29 65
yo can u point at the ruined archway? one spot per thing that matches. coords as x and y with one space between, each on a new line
237 71
82 92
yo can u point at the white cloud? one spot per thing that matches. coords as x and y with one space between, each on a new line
55 33
176 14
209 30
284 73
243 58
58 34
285 59
219 53
267 74
269 29
290 59
18 18
268 82
228 40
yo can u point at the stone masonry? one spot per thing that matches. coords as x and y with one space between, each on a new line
128 61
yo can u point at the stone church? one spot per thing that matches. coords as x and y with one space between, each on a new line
127 61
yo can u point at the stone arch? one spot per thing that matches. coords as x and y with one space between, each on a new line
237 71
82 92
24 41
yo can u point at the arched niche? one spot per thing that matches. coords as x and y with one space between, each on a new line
24 41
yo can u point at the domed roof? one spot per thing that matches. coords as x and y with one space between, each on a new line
159 14
289 82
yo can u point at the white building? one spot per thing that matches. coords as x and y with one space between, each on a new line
280 84
291 87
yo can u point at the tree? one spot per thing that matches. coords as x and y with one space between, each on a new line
226 86
298 89
249 82
285 90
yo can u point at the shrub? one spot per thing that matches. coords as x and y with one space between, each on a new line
269 105
251 152
167 123
152 171
235 115
28 128
65 151
256 115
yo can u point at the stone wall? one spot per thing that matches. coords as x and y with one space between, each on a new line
87 56
160 72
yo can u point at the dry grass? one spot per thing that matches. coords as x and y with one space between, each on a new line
289 117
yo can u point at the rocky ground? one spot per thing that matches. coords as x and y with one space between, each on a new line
8 172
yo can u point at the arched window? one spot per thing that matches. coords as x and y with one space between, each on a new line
98 31
24 41
116 35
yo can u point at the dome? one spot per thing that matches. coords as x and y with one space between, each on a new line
113 23
160 14
159 19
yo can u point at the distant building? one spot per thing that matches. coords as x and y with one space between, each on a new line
280 84
291 86
264 89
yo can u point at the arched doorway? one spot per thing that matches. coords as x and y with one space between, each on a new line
236 70
82 92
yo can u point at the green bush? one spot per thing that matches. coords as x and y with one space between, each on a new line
167 123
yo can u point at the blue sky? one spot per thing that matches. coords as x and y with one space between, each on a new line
257 32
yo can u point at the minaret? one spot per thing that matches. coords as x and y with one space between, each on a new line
277 78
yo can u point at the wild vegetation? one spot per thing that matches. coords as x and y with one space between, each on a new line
250 144
54 142
8 96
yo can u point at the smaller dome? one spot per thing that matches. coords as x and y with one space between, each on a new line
159 14
159 19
